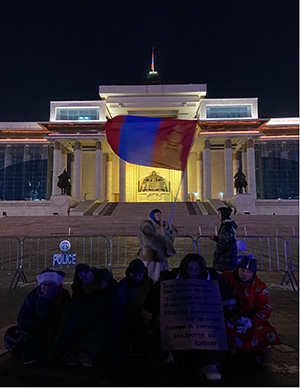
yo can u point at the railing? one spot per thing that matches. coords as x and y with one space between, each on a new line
124 248
273 253
293 255
38 251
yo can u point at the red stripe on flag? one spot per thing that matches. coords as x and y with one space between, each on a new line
113 132
172 143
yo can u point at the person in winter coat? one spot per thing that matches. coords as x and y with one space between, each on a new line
156 239
39 319
226 248
134 289
93 323
192 266
248 328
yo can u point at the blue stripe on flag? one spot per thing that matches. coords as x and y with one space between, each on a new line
137 139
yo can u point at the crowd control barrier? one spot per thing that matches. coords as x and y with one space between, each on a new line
124 248
273 253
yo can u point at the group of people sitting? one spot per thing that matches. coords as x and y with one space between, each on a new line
108 320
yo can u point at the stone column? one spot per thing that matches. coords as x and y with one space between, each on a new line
228 169
251 168
98 173
108 195
199 169
8 156
206 170
26 155
45 152
56 167
122 180
63 158
77 170
244 160
184 187
236 162
284 157
72 174
8 161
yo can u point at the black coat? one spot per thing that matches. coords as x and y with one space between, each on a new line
226 249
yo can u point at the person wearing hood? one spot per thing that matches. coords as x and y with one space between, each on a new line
156 238
248 329
39 319
192 266
133 290
93 321
226 248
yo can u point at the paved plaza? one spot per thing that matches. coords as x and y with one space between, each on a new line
282 368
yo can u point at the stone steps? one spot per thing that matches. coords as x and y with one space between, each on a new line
127 217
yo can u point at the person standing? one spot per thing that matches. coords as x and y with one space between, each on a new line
226 249
156 239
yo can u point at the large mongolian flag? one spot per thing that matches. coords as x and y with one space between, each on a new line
151 141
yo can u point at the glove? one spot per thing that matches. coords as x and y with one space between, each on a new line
243 324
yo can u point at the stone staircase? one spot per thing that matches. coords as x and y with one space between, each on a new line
125 219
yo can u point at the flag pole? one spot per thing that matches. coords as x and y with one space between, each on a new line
174 203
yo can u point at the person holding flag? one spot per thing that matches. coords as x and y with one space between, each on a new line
156 239
154 142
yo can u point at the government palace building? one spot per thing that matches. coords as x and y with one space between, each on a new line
232 136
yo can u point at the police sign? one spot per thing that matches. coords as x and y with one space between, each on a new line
64 259
64 245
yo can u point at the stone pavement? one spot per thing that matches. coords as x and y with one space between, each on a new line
282 369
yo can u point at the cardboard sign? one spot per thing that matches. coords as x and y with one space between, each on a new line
191 315
64 259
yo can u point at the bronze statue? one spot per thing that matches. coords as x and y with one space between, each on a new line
240 182
64 183
153 182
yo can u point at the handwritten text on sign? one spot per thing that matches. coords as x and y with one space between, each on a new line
191 315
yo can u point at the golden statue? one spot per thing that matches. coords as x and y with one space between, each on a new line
153 182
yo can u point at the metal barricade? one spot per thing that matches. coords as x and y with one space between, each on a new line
270 251
293 261
39 251
206 248
10 253
124 248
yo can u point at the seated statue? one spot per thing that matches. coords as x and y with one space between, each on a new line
154 182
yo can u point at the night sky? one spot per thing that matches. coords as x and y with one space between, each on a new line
63 50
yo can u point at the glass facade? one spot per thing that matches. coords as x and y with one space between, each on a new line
228 111
23 172
277 170
75 114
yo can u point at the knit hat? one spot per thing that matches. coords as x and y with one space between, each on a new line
248 262
225 212
136 266
49 275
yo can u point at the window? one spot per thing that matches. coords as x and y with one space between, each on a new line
75 114
228 111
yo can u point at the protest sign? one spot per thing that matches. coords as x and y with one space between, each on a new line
191 315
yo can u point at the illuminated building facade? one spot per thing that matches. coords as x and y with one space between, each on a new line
231 136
